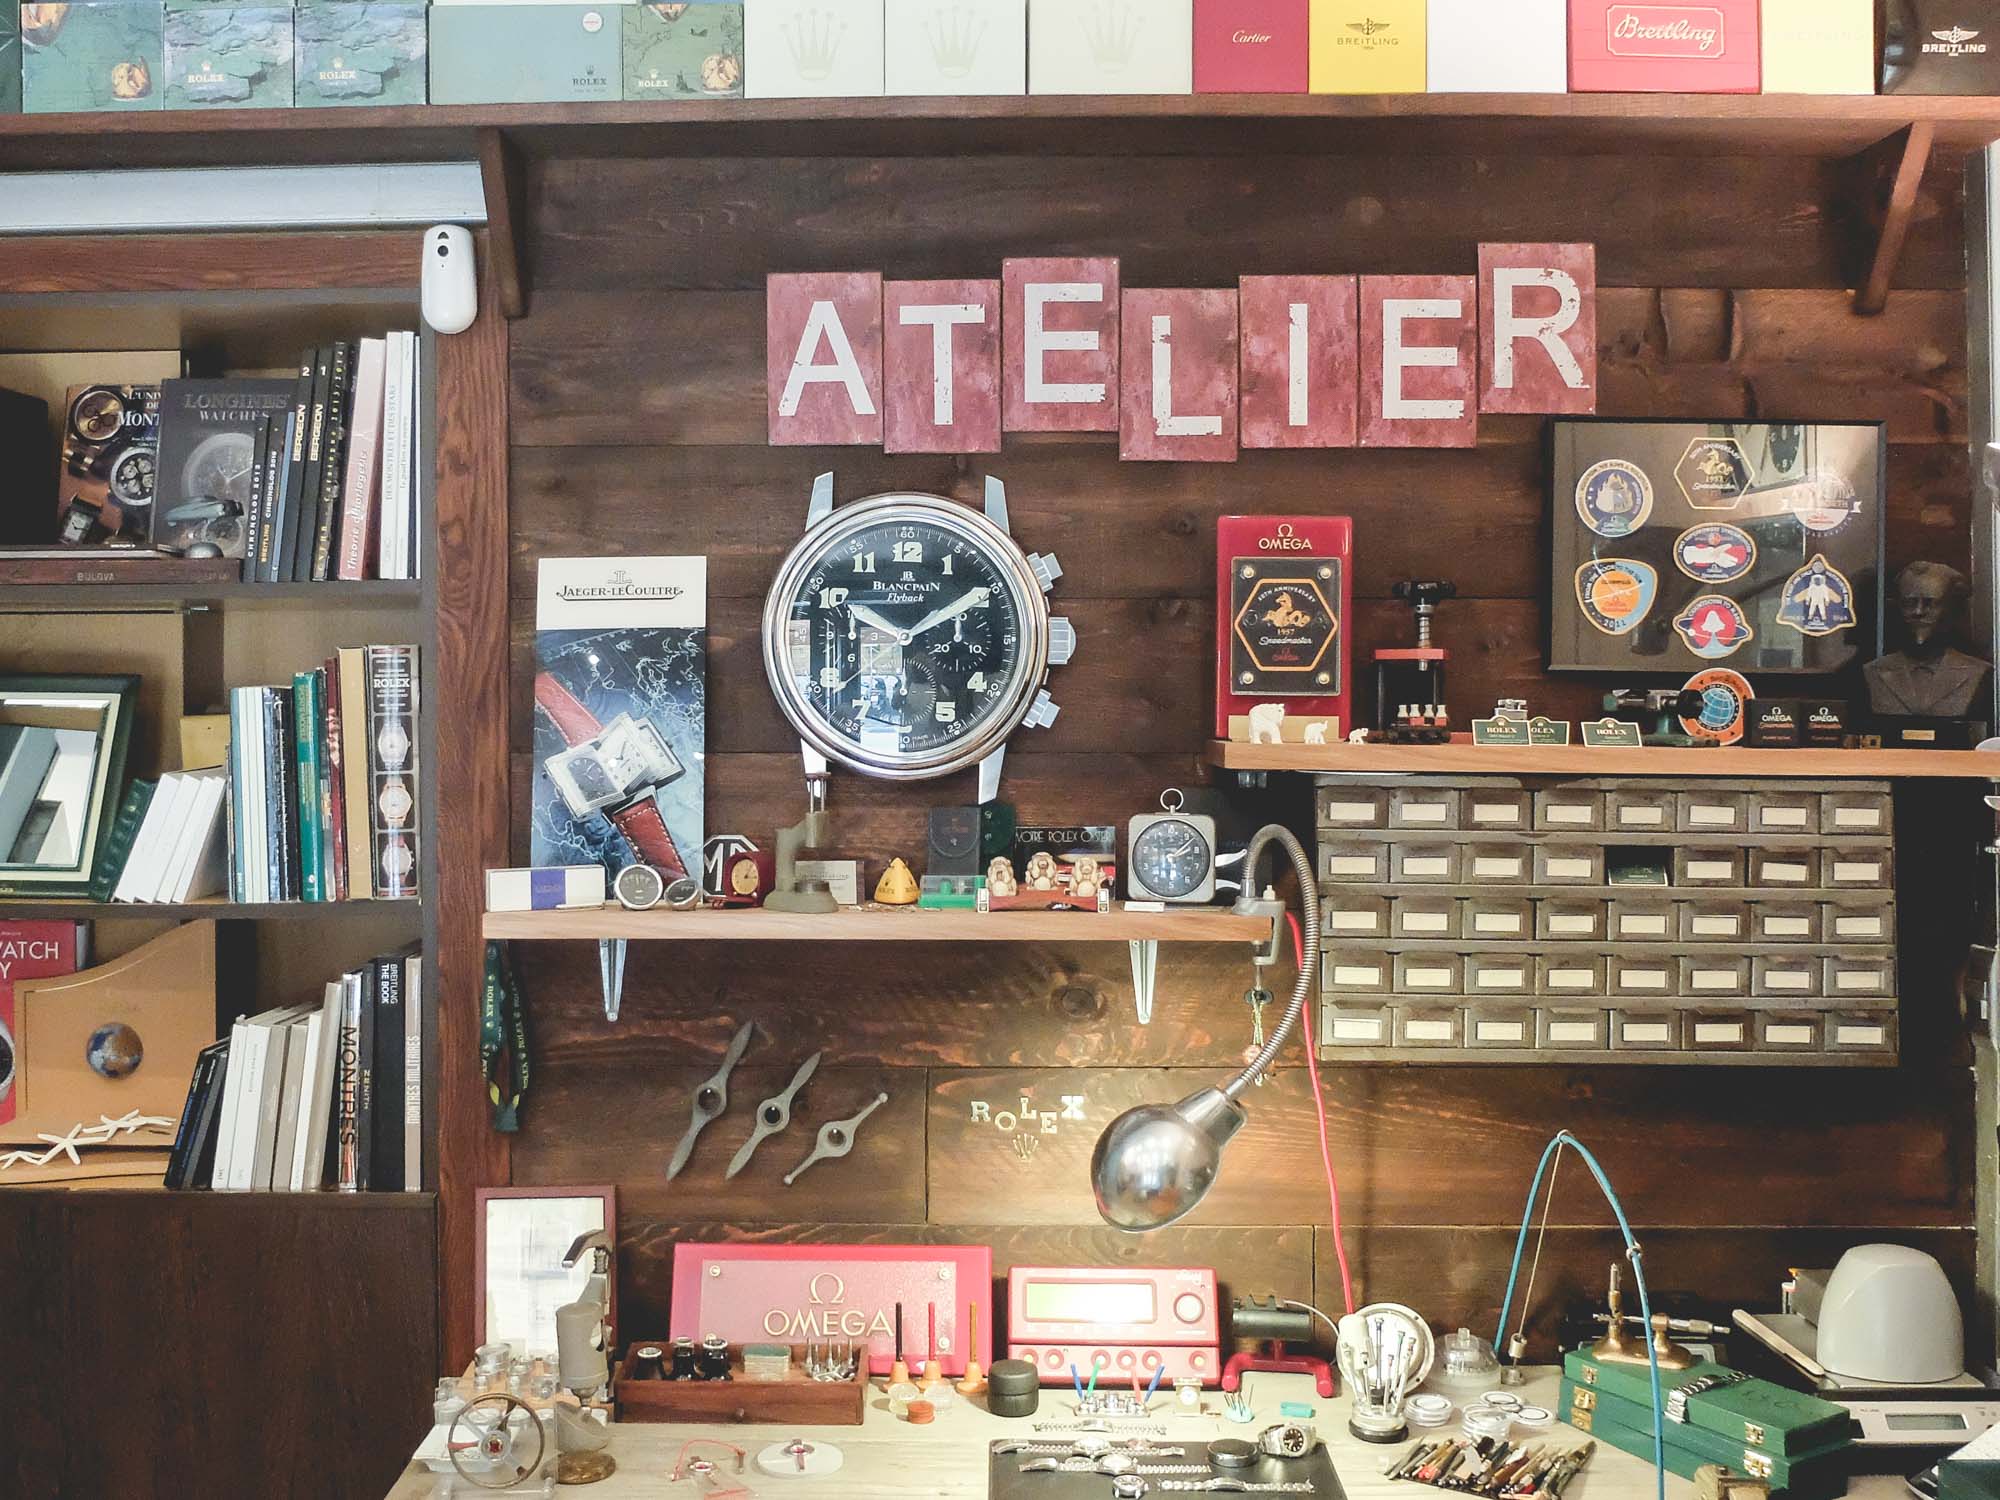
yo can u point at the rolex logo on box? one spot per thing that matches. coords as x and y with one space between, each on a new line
1251 46
1621 47
1359 47
813 49
1111 46
959 47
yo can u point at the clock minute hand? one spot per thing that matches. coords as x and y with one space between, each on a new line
937 617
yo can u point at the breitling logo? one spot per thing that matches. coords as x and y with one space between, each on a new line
1955 42
1369 34
1368 28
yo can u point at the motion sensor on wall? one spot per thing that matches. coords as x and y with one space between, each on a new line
450 282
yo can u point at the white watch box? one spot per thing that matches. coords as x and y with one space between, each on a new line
1499 47
1111 46
812 49
955 47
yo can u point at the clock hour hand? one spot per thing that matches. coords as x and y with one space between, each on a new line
868 616
951 611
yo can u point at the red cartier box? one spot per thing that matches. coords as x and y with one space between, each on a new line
1654 46
1229 58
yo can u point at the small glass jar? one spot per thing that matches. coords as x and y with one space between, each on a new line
713 1363
686 1364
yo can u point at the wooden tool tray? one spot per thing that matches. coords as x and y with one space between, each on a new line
797 1400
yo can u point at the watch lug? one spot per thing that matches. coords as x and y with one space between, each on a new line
821 504
989 776
996 503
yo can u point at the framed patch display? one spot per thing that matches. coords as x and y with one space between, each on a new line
1680 546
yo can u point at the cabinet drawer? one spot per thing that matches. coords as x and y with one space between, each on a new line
1645 1030
1704 811
1423 807
1346 915
1719 1030
1863 922
1498 864
1504 1026
1430 1026
1565 810
1355 860
1788 1031
1499 974
1852 812
1580 975
1784 976
1785 921
1356 1026
1569 864
1344 806
1713 921
1641 919
1872 1032
1497 808
1511 918
1779 869
1574 919
1710 975
1708 867
1631 810
1425 917
1860 975
1650 977
1573 1030
1866 868
1355 971
1784 812
1426 863
1429 974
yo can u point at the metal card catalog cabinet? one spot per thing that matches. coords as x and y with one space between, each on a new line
1609 920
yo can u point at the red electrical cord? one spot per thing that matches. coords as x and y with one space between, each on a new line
1319 1109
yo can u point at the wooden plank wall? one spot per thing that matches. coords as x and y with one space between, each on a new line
637 412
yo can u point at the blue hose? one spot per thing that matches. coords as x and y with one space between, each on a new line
1632 1253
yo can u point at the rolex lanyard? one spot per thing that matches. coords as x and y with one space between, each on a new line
503 1029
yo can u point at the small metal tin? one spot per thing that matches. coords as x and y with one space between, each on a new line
1505 1400
1232 1453
1428 1409
1535 1417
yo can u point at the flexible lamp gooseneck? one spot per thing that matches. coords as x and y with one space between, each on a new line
1154 1163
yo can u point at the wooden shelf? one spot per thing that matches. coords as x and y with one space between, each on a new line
1424 1057
220 911
106 597
1576 760
896 924
1410 124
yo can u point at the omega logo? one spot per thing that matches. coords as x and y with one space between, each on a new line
1287 540
826 1316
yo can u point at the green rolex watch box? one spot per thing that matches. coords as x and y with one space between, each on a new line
10 60
228 56
690 51
1754 1413
92 55
358 52
525 54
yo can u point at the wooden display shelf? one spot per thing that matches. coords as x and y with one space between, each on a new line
1521 124
214 910
896 924
1578 760
1424 1057
393 593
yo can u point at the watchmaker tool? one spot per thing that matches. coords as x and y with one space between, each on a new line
1666 707
711 1099
497 1442
836 1139
1409 680
933 1369
773 1115
1617 1345
1275 1326
1236 1407
899 1368
1385 1351
975 1379
798 1458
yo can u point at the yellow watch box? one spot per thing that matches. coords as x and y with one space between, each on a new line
1819 46
1368 47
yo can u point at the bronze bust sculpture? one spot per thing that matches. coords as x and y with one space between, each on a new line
1929 678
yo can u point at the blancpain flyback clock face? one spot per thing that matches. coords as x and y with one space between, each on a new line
906 636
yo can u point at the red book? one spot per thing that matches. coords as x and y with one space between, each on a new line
29 950
361 486
1251 46
1618 47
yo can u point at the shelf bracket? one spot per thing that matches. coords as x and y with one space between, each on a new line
1145 969
1884 181
611 974
504 180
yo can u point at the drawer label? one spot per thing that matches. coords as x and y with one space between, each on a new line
1573 922
1641 817
1858 979
1642 979
1712 817
1345 1030
1709 869
1502 979
1572 1031
1647 1031
1426 864
1571 979
1860 1036
1857 817
1857 869
1782 817
1424 812
1502 1031
1787 926
1569 869
1561 812
1350 864
1348 812
1427 979
1349 921
1642 924
1354 974
1714 1033
1494 867
1424 921
1714 979
1788 1035
1497 921
1496 812
1785 870
1715 926
1858 926
1787 979
1429 1031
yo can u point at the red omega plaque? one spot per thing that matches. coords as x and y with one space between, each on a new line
1283 590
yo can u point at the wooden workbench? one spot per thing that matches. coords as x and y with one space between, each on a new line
889 1460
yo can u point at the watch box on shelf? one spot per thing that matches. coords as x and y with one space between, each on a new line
10 60
92 56
1819 46
1940 47
964 48
1368 47
1617 47
1480 47
228 56
1111 46
525 54
1252 46
684 51
813 49
346 53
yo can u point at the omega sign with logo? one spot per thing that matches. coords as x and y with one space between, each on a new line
1060 345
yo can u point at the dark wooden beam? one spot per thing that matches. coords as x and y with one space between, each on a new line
503 178
1885 182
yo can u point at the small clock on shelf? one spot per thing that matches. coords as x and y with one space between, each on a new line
1171 854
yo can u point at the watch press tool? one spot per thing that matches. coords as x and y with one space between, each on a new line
1414 675
584 1340
1275 1325
788 892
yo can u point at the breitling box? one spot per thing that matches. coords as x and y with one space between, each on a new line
228 56
1111 46
362 52
684 51
1498 47
10 60
525 54
1819 46
1709 47
1368 47
812 49
955 47
92 55
1941 47
1251 46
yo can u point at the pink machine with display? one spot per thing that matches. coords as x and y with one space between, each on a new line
1124 1323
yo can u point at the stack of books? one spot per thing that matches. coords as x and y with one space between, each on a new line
306 1097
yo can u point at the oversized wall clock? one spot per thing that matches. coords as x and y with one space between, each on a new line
907 636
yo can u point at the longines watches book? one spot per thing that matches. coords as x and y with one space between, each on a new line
621 650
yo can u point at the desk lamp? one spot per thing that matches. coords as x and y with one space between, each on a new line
1154 1163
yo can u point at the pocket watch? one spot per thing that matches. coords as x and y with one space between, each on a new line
907 636
1171 854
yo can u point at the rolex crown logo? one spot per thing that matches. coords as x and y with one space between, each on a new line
955 33
1111 31
814 37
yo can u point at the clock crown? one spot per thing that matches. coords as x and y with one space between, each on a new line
1062 640
1047 570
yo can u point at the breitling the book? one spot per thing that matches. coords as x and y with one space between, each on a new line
621 651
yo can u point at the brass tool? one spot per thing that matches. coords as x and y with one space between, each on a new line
975 1378
1616 1345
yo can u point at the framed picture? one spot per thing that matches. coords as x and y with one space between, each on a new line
524 1233
63 742
1677 546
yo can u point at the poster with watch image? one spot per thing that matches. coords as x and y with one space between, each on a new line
621 655
1683 545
